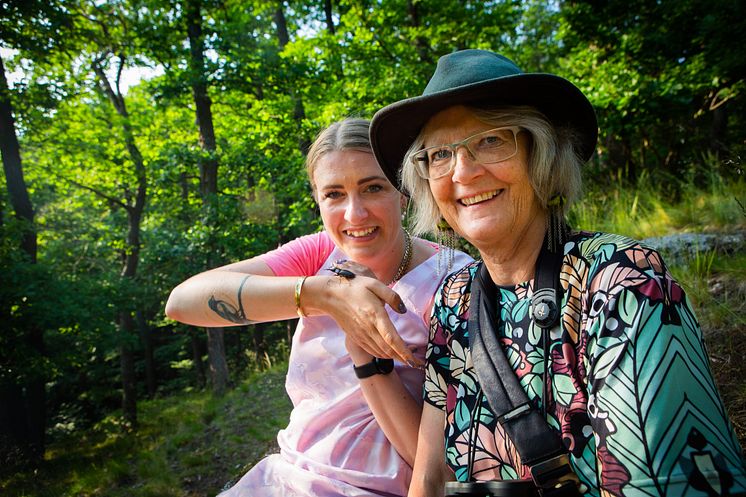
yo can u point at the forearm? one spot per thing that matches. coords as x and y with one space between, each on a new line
249 292
396 411
430 471
226 298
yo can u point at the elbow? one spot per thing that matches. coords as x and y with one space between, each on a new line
173 308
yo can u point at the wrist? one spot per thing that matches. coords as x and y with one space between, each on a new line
359 356
375 367
316 293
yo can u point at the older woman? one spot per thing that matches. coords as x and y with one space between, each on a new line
353 428
619 380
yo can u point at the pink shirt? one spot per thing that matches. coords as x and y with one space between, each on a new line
302 256
333 445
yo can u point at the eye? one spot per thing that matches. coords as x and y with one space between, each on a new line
440 155
374 188
491 141
333 194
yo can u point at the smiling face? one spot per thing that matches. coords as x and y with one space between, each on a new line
361 210
493 206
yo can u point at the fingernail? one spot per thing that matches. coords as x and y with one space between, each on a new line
402 308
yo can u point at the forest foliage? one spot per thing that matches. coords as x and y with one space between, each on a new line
114 193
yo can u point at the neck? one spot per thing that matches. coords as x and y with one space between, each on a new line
397 261
406 258
514 261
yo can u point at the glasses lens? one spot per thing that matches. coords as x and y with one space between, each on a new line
433 162
492 146
488 147
439 160
419 159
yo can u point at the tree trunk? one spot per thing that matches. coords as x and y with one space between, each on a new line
218 366
299 111
197 352
619 156
422 45
328 14
208 170
718 130
11 152
134 209
290 326
25 402
146 339
127 367
260 344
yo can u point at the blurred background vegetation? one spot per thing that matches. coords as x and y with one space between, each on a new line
116 188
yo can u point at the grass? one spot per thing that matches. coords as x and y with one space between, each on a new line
188 445
646 210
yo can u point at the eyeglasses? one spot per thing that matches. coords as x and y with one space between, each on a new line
487 147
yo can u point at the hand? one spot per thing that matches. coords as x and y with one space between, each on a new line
357 305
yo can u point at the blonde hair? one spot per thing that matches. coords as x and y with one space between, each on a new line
553 163
347 134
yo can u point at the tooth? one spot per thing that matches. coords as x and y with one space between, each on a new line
358 233
479 198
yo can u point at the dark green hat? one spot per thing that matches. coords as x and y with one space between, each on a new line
480 77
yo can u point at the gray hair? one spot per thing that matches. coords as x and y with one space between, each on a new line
554 167
347 134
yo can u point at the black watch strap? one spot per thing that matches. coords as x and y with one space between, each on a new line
374 367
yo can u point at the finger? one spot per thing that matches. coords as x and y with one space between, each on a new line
390 297
372 345
394 343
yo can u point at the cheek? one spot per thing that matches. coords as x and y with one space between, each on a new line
440 192
329 215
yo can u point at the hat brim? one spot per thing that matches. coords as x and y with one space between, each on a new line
394 128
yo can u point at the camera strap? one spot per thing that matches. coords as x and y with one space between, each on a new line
538 445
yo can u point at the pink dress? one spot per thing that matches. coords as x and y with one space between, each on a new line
333 445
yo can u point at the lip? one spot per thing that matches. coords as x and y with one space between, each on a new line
480 198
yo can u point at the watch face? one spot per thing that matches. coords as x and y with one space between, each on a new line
385 366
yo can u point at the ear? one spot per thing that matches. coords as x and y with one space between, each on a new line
404 201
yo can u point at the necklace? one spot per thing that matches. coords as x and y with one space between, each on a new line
406 258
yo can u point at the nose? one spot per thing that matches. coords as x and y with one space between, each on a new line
355 210
466 167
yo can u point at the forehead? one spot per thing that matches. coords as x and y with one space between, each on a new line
452 124
345 168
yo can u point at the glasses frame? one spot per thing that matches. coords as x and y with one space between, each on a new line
423 171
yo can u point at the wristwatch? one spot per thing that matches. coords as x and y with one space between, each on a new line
374 367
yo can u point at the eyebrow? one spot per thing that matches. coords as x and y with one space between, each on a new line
361 181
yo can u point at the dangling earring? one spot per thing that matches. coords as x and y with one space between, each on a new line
446 240
558 231
405 205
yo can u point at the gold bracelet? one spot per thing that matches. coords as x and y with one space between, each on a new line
298 289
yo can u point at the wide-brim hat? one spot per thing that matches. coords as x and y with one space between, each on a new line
480 77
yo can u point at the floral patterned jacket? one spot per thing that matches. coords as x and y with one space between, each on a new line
629 386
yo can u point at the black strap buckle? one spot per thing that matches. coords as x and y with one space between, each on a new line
555 477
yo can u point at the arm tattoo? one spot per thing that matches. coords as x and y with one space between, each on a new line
228 311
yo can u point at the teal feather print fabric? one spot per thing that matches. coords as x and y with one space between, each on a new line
629 386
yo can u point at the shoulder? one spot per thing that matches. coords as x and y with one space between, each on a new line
303 255
601 249
456 286
606 261
319 243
